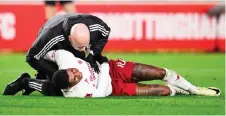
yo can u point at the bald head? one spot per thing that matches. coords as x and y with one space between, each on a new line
79 36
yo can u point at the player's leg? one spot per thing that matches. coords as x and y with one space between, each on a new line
68 6
50 9
136 72
122 84
122 88
154 90
143 72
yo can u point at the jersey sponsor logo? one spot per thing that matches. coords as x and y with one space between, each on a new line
49 45
98 27
91 70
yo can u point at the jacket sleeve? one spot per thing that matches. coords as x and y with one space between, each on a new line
44 42
104 31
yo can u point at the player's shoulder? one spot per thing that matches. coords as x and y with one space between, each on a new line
80 61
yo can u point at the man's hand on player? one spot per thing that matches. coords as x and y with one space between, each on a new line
101 59
92 61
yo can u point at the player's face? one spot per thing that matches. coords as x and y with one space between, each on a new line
74 76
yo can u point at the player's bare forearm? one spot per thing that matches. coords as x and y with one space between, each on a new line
152 90
143 72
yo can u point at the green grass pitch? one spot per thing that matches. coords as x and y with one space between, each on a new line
200 69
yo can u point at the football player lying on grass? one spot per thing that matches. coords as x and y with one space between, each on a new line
76 78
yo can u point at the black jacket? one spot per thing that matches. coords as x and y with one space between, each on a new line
54 35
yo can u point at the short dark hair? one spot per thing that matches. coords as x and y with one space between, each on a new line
61 79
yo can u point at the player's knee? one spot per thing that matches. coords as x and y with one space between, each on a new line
32 62
28 60
161 72
166 91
